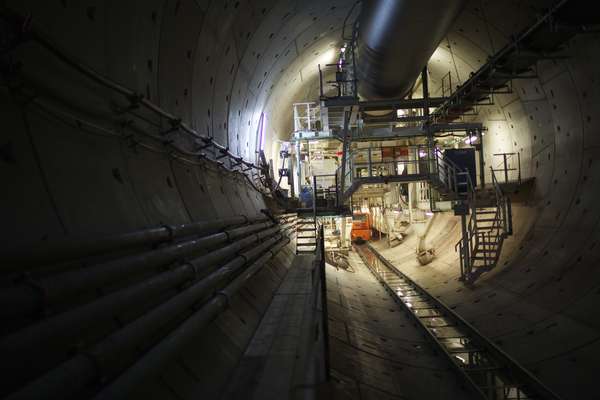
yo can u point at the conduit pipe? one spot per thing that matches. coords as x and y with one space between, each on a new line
28 298
19 349
114 353
396 39
74 248
176 341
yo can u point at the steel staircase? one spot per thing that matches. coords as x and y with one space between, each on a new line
306 234
489 237
489 216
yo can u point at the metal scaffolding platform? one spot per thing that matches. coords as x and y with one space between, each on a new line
542 41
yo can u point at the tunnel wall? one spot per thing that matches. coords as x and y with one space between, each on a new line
79 166
74 166
217 64
538 303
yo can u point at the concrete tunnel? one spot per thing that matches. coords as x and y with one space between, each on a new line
142 258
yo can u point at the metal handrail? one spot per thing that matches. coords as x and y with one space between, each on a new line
474 240
481 241
466 87
324 314
451 172
504 163
503 205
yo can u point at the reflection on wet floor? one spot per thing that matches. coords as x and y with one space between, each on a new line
376 351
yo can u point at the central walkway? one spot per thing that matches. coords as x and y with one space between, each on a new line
376 352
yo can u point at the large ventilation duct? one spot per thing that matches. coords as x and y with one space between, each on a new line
396 39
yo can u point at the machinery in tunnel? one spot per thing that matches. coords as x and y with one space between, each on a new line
186 181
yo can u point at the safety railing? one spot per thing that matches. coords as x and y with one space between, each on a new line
509 167
447 85
321 266
503 206
325 191
368 164
345 83
307 117
450 179
390 168
480 244
491 78
457 185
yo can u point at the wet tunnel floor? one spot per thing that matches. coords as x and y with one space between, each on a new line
376 351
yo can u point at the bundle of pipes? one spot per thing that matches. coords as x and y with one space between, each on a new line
166 289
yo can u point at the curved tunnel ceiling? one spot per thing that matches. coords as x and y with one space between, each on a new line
220 64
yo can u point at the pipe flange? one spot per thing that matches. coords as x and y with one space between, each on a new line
225 295
195 272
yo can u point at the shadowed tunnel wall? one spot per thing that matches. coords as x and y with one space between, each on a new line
73 165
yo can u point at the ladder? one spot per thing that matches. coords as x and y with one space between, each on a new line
306 234
489 237
486 216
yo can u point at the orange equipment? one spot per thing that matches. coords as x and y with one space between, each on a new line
361 227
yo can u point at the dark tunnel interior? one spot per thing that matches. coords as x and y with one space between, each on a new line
266 199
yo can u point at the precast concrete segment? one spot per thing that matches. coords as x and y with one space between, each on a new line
221 67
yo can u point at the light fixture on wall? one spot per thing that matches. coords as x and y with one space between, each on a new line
470 139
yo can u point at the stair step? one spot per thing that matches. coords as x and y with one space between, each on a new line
305 230
486 250
489 243
476 258
488 219
479 212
